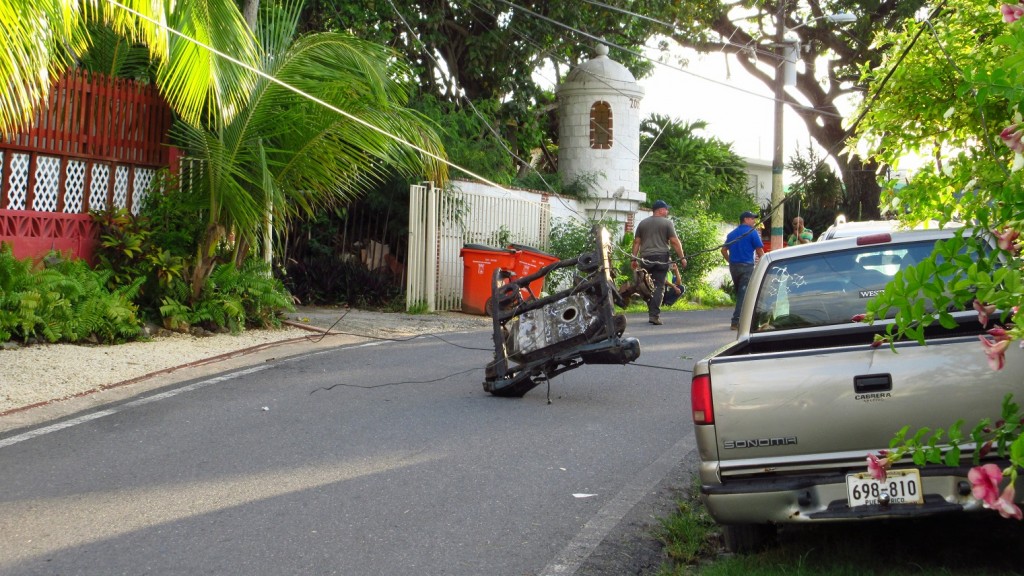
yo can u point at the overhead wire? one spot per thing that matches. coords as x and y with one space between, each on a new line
310 97
795 105
498 138
598 79
866 107
430 154
342 112
324 104
526 38
660 63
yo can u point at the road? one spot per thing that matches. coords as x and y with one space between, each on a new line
385 458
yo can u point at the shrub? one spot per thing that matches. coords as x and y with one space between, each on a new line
63 302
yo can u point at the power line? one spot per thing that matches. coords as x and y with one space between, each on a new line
795 105
308 96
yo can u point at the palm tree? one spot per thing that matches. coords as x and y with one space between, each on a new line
294 144
44 38
269 152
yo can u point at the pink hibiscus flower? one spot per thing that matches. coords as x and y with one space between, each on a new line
996 352
984 311
999 333
877 467
1011 12
1007 240
1012 138
985 483
1005 505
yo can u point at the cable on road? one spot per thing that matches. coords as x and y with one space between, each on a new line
331 331
347 385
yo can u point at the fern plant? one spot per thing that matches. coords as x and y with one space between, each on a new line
63 302
237 298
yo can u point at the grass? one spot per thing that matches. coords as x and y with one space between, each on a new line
702 297
978 545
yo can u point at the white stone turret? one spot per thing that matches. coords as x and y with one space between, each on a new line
599 135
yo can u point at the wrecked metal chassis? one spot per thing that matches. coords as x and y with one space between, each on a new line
536 339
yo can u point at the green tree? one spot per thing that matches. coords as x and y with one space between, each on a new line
467 139
693 174
44 38
817 193
951 92
942 99
283 154
495 50
748 30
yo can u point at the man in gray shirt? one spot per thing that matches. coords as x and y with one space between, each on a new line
651 241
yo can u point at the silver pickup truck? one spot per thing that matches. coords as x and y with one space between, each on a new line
786 415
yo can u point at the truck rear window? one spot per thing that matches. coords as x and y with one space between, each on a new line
829 288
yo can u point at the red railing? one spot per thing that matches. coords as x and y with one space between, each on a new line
95 144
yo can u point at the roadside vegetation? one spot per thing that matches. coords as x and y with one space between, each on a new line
139 277
981 545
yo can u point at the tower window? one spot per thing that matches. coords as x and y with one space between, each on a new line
601 126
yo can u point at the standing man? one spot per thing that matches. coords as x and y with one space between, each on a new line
742 248
800 234
650 242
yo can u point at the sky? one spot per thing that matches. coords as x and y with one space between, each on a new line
737 108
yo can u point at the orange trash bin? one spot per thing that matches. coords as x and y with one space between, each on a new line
478 265
528 261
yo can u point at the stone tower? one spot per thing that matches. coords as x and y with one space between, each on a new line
599 135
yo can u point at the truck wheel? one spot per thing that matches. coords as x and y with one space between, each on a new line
747 538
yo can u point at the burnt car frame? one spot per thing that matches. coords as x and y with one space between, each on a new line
537 338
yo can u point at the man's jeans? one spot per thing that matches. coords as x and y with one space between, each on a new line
658 273
740 278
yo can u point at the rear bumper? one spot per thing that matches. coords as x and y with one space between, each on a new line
823 498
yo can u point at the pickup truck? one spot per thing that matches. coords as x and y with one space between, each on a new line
786 415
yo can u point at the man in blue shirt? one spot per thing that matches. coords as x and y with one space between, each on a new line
742 248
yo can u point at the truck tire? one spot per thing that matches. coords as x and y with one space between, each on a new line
747 538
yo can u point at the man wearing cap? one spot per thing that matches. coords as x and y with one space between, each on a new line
651 241
742 248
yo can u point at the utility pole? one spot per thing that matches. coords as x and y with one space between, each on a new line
778 194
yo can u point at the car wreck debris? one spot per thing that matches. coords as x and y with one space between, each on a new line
538 338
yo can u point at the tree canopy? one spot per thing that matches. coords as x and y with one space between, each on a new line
749 31
691 172
511 53
43 39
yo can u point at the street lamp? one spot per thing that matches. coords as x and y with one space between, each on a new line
788 51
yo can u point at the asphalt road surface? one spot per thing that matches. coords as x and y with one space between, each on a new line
385 458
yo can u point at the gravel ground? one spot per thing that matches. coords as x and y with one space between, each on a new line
45 373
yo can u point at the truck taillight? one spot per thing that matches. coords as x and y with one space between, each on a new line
700 400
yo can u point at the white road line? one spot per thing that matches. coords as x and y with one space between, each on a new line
583 545
55 427
104 413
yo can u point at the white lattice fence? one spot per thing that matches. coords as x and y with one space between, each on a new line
59 184
441 222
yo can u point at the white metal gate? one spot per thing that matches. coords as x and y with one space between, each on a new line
441 221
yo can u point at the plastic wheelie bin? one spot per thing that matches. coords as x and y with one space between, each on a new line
479 263
528 261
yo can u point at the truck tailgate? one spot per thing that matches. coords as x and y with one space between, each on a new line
805 407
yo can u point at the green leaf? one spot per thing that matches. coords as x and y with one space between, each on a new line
953 457
947 321
919 458
1017 452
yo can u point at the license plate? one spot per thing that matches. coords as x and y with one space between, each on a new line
902 487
